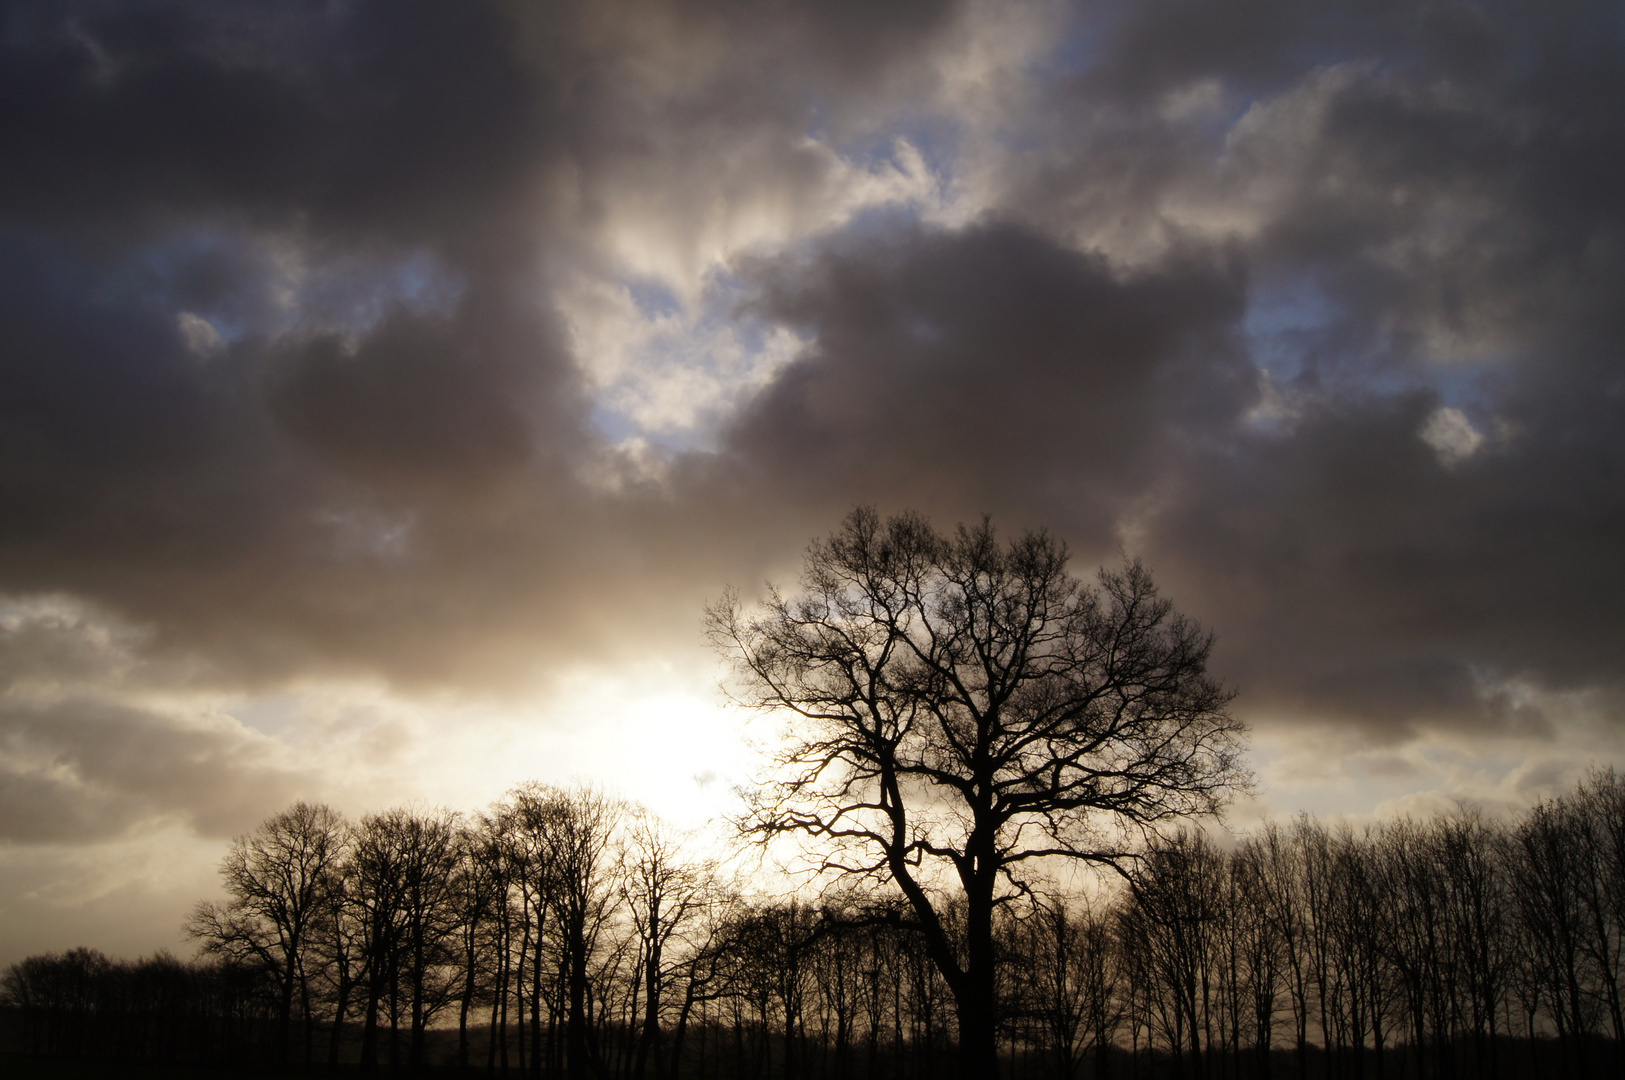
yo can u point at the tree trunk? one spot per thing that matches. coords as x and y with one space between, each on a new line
577 1051
285 1013
536 1059
978 1045
469 974
651 1005
343 1004
417 1055
369 1029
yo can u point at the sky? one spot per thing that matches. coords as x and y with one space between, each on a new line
387 385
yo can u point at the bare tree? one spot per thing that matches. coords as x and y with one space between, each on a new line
1282 887
276 876
1547 861
1478 908
528 826
1595 816
578 829
1260 944
773 944
1065 952
705 971
400 891
965 707
1356 925
479 886
338 950
429 859
838 963
663 892
1173 918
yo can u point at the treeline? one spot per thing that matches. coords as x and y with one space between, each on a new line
81 1004
1456 946
564 933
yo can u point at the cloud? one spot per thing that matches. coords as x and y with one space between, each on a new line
389 264
1363 574
87 752
991 369
1451 435
83 769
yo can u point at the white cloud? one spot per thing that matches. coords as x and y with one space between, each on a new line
692 203
1274 410
671 373
200 335
670 224
1451 435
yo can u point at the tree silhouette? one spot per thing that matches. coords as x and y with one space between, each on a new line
277 876
664 893
964 707
1452 945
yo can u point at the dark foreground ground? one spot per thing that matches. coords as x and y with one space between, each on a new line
19 1067
1538 1062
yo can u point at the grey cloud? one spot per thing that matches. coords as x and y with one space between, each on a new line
409 119
83 758
1355 574
1358 577
84 769
171 160
417 394
993 370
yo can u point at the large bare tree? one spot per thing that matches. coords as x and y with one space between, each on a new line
963 707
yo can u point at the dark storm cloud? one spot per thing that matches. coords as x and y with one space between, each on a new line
417 394
407 119
1356 575
165 161
1461 214
993 370
1262 46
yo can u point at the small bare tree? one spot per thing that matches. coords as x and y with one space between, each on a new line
663 891
963 707
578 829
276 877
